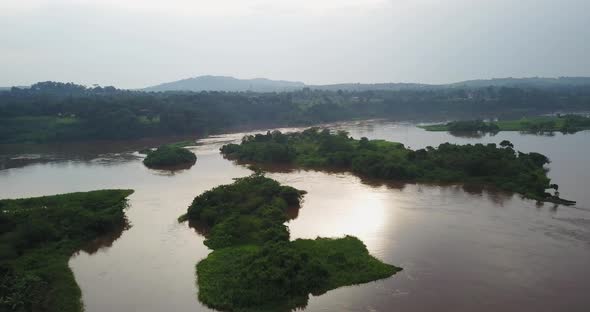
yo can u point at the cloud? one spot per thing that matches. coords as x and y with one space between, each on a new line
203 7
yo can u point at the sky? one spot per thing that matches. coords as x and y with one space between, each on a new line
138 43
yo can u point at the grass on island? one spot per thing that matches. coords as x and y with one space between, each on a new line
37 238
565 124
254 266
169 156
499 166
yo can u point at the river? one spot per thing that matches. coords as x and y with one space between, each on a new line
462 248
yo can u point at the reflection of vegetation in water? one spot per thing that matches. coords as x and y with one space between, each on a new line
106 240
39 235
254 266
471 135
489 164
170 156
538 125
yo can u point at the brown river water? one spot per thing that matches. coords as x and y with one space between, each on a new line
462 248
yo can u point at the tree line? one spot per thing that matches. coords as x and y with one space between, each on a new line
54 112
500 166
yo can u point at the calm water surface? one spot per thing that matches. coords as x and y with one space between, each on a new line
462 249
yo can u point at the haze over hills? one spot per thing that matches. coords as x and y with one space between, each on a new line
8 88
524 82
391 86
231 84
224 83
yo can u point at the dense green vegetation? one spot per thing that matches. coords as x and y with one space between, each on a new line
249 211
37 238
564 124
56 112
278 276
499 166
171 155
254 266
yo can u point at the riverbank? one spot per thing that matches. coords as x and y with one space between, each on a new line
40 234
564 124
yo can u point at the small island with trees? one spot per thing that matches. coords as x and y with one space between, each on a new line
489 165
254 265
542 124
169 156
37 238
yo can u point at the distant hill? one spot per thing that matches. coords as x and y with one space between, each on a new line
533 82
538 82
230 84
373 86
8 88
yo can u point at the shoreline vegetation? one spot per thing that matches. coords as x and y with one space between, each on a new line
499 166
37 238
254 266
169 156
544 124
51 112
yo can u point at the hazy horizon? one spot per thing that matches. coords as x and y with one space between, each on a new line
135 44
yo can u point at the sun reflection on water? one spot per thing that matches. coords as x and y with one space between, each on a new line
335 206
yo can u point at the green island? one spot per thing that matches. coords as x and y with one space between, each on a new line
491 165
254 266
37 238
542 124
169 156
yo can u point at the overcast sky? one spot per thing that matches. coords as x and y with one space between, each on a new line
136 43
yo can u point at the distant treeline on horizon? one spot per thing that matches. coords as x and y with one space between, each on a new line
231 84
57 112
